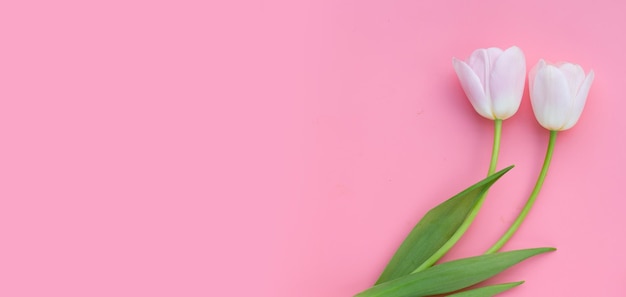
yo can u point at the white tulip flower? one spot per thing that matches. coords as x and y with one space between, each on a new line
493 80
558 93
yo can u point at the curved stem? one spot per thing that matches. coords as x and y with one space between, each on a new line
531 200
495 151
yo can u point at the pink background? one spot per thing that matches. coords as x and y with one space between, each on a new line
285 148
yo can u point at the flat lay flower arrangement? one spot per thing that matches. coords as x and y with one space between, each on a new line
493 80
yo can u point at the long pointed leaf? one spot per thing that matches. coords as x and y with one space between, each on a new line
487 291
451 276
435 228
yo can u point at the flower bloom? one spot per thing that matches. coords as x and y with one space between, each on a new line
493 80
558 93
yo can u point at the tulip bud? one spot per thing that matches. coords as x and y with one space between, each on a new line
493 80
558 94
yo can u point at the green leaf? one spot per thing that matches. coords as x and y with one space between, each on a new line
451 276
435 228
487 291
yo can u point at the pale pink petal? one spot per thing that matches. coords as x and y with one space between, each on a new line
550 97
574 75
531 75
479 63
507 82
579 101
473 88
493 53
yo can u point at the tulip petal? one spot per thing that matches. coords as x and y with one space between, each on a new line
480 61
507 82
579 101
533 72
575 76
550 98
494 53
473 88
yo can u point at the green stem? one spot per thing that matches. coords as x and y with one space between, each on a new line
495 151
531 200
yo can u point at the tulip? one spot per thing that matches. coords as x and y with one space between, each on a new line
493 80
558 94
